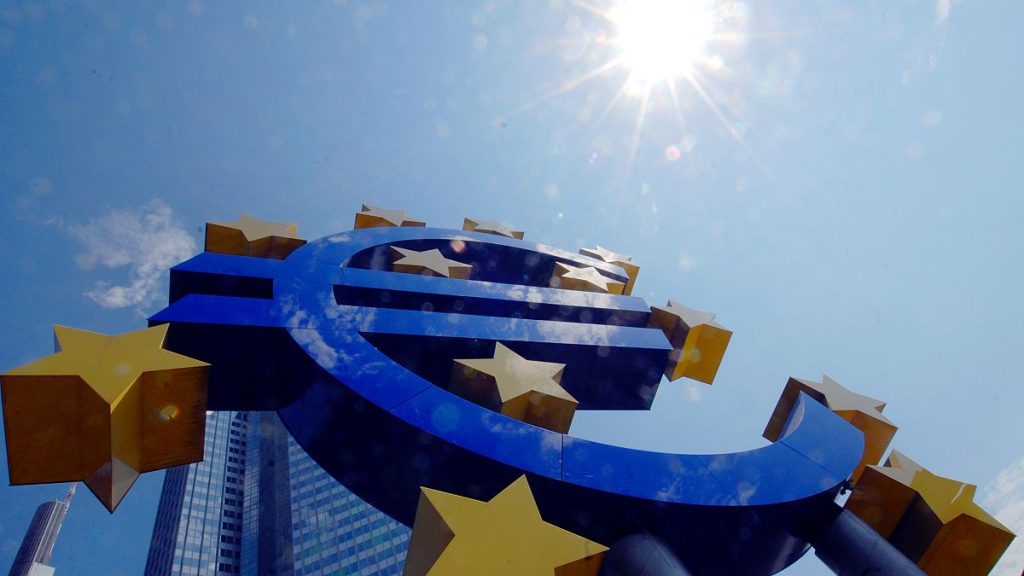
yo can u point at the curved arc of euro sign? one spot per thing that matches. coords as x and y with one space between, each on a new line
355 357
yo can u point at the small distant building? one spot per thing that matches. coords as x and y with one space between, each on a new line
37 546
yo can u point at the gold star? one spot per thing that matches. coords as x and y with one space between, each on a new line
491 227
698 342
864 412
428 263
933 520
620 260
103 409
506 536
527 390
584 279
250 236
373 217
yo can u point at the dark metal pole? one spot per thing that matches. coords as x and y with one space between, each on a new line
850 548
641 555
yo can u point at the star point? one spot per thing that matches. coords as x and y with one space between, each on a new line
864 412
698 342
374 217
527 390
250 236
103 409
505 536
932 519
586 279
428 263
491 227
621 260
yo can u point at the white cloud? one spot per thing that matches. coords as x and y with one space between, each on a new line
942 11
942 8
1004 499
145 240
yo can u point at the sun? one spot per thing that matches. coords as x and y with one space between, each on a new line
661 39
671 51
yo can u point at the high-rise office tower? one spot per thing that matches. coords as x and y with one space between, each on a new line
37 545
257 504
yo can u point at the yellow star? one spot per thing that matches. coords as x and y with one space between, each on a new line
620 260
933 520
427 263
373 217
527 390
103 409
584 279
250 236
698 342
864 412
506 536
491 227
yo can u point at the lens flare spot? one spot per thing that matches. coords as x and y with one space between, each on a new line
169 412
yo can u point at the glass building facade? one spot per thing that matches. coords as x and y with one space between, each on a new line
257 504
37 545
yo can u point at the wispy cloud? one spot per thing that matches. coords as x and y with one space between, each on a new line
146 240
942 8
942 11
1004 498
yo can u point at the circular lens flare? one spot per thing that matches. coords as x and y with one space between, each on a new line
168 412
662 39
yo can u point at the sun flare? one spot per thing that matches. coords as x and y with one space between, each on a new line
662 39
671 52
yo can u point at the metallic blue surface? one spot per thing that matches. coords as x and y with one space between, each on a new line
810 436
369 288
356 359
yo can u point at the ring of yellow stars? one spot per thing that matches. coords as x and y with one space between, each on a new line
373 217
250 236
586 279
864 412
625 262
931 519
698 342
491 227
505 536
427 263
103 409
526 390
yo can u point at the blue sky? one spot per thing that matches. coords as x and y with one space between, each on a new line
838 184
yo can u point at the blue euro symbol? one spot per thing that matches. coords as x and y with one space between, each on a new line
355 359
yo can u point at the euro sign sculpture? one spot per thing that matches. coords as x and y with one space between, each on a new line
428 369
